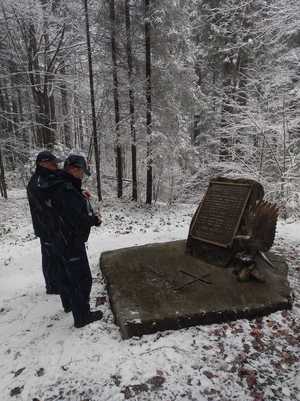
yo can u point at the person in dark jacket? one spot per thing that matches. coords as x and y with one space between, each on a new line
74 217
46 170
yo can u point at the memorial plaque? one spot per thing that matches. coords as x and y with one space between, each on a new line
220 212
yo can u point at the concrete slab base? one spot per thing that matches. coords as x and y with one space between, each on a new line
155 287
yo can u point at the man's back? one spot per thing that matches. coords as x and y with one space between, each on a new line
38 194
74 214
38 188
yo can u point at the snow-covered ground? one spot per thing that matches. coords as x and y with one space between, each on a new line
44 358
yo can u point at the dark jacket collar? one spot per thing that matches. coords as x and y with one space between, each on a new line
44 171
48 179
76 182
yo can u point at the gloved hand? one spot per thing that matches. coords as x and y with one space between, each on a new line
86 194
98 219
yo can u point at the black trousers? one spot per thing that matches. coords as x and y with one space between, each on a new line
49 266
75 281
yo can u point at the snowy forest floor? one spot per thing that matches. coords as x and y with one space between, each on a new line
44 358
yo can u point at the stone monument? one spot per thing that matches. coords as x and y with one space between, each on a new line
233 225
219 273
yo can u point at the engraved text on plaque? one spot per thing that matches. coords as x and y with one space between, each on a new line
218 217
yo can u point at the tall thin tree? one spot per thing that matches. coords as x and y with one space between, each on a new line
148 101
131 100
3 185
118 147
65 107
92 95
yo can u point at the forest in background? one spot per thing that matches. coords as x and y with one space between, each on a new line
159 95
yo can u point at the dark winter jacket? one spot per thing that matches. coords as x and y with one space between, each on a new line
72 211
41 214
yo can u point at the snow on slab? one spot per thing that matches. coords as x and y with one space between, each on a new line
290 231
43 357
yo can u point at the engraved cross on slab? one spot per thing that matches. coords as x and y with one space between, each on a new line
220 212
195 280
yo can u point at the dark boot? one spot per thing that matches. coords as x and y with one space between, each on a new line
65 300
89 318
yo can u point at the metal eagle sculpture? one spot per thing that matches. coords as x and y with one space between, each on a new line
257 238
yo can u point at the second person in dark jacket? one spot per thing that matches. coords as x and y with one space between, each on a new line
75 217
45 175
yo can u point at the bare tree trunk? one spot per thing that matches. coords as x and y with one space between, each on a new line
284 162
65 107
77 122
91 77
2 177
80 127
25 134
148 102
116 99
45 135
7 125
240 83
242 72
196 128
48 92
227 109
262 154
131 102
5 105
